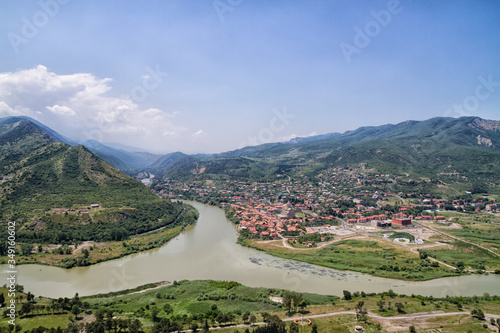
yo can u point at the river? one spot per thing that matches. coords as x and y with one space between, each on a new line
148 181
208 250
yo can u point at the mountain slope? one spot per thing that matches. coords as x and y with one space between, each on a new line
51 133
121 159
463 150
469 146
47 186
170 162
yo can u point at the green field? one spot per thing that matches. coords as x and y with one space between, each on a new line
372 257
223 303
479 228
470 255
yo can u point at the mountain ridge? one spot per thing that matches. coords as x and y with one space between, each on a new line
469 146
40 176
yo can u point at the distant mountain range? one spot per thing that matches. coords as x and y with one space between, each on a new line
453 150
448 150
121 159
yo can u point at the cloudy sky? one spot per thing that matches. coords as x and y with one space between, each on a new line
211 76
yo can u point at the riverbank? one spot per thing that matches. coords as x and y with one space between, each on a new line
367 256
226 305
90 253
365 253
209 250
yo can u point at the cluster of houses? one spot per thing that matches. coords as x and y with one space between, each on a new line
266 220
265 208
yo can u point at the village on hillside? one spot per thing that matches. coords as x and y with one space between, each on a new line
340 203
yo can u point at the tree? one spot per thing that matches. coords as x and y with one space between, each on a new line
314 328
381 304
26 308
478 313
194 327
291 300
26 249
347 295
303 304
294 328
412 329
135 326
72 328
423 255
75 310
168 308
164 325
99 315
2 299
154 313
221 318
206 328
361 311
399 306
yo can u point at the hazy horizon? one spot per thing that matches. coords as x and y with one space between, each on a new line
214 76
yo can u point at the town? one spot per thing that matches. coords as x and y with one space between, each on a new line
339 202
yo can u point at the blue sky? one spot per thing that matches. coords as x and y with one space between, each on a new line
212 76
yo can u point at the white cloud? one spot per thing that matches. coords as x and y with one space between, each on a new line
62 110
293 136
95 112
199 134
173 114
6 110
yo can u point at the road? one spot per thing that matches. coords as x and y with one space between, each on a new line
160 228
288 246
413 316
460 239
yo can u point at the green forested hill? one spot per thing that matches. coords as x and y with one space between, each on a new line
47 187
454 150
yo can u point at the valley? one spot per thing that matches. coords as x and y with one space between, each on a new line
236 166
360 210
281 216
